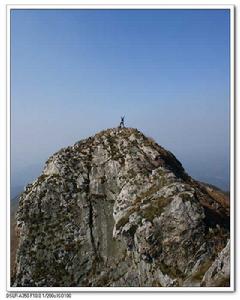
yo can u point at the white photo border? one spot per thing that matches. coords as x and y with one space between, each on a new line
231 8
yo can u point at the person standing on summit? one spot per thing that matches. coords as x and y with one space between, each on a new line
122 122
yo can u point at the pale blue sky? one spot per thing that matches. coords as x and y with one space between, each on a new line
75 72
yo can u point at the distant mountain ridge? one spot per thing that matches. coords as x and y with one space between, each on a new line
16 191
117 209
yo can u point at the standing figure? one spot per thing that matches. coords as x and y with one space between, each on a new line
122 122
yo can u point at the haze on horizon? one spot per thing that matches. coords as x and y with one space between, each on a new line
75 72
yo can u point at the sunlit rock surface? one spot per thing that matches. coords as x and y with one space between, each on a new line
118 210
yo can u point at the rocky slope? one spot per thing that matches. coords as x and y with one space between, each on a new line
117 210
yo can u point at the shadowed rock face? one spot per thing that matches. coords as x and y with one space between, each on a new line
115 210
219 272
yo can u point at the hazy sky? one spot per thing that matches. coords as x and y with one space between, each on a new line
75 72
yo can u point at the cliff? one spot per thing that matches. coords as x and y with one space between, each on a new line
117 209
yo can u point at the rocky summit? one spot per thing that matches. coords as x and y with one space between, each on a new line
118 210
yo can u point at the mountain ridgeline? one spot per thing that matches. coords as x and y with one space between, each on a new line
118 210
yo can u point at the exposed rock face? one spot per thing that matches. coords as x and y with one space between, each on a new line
219 272
117 209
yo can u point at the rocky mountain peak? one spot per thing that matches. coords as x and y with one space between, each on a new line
117 209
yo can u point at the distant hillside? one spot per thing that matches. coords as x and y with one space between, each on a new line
13 233
16 191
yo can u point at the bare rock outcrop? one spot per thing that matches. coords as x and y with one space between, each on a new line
219 272
117 210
